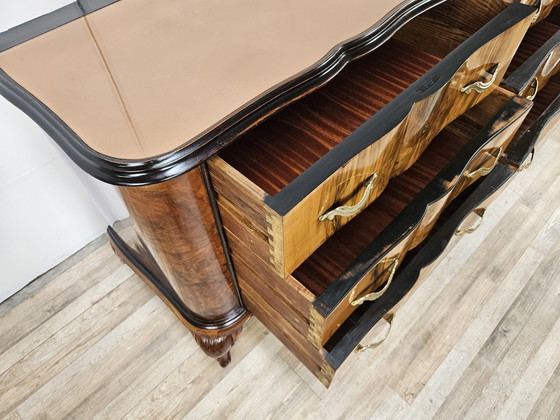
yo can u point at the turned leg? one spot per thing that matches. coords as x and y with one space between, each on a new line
180 254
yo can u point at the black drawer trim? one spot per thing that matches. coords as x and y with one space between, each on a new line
370 313
521 147
524 74
412 215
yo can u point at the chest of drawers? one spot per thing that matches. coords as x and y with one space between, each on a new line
305 167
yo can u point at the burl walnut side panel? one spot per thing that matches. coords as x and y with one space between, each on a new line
180 254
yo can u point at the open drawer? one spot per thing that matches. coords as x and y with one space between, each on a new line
462 216
288 184
360 262
536 60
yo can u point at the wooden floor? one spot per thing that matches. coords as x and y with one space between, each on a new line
480 339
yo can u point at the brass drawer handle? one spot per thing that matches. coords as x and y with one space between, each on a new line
527 164
361 348
487 170
535 86
478 212
479 86
347 211
376 295
539 10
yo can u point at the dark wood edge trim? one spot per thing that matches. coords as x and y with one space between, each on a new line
371 313
220 228
156 169
38 26
47 22
521 147
524 74
90 161
90 6
413 214
392 114
133 259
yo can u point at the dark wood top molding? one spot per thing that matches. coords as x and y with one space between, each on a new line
57 72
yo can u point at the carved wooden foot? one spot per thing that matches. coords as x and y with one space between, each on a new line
217 347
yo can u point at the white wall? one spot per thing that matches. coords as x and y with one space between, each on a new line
49 208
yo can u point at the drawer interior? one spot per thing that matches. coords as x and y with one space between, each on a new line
280 149
443 28
334 256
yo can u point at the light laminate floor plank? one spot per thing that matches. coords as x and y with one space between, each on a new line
479 339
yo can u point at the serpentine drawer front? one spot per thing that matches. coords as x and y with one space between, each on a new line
465 213
536 60
462 217
358 264
289 184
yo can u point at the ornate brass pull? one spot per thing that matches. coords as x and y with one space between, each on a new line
486 171
539 10
527 164
478 212
361 348
347 211
535 85
479 86
376 295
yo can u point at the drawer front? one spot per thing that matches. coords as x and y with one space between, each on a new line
473 81
523 149
485 160
353 174
534 73
544 8
411 275
468 216
375 269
